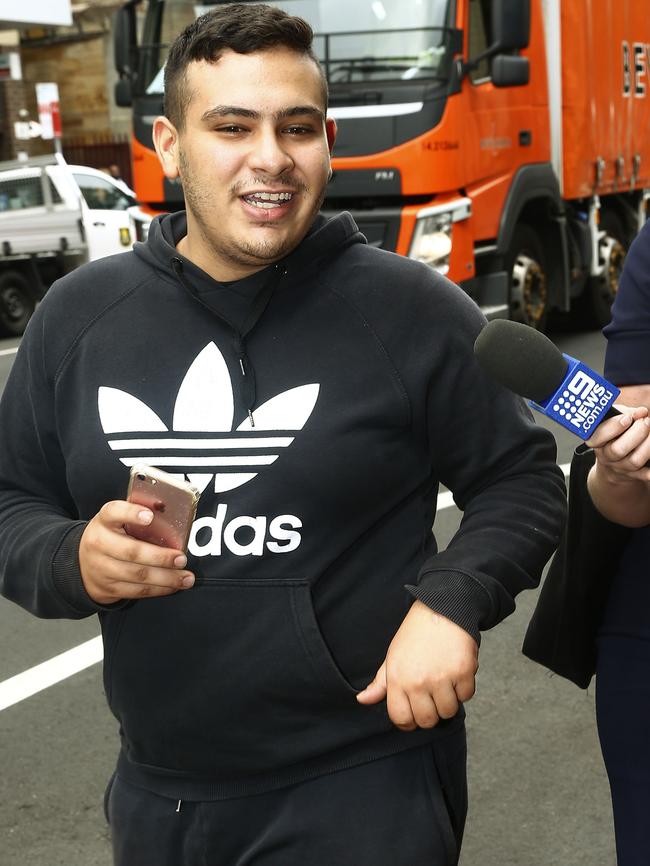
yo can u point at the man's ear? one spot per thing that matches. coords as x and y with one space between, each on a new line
165 139
330 131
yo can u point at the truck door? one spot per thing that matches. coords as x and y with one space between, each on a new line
106 217
499 122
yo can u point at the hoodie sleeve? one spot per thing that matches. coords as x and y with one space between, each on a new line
39 526
501 469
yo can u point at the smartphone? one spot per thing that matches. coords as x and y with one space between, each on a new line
172 501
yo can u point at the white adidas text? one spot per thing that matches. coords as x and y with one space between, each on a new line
277 536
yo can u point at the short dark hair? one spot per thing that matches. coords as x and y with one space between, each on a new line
240 27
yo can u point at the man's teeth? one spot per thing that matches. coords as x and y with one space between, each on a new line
268 200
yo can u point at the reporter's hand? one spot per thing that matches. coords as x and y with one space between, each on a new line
429 670
115 566
622 446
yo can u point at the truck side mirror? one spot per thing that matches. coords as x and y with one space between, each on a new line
124 39
123 93
511 24
510 71
510 32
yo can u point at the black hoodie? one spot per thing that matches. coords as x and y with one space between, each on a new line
317 404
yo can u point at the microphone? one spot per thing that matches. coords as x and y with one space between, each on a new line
559 386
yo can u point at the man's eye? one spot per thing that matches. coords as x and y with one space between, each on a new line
231 129
299 130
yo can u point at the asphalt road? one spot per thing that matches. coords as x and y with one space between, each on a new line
538 790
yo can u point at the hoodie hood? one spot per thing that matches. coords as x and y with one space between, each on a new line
240 304
232 300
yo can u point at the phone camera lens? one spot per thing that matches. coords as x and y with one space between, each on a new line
141 477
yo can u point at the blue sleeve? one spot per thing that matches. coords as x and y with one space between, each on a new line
627 360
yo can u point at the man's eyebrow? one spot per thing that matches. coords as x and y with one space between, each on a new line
220 111
299 111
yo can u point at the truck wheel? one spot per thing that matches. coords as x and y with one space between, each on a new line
16 304
528 288
600 291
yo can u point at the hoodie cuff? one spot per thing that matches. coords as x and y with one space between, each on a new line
456 596
66 574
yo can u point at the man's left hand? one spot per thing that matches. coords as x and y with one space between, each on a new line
429 670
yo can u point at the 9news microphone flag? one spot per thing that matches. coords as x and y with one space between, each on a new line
581 402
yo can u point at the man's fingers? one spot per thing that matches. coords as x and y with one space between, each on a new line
127 549
109 539
125 581
118 512
134 591
399 709
465 689
426 712
144 575
376 690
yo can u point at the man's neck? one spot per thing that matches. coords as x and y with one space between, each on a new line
222 272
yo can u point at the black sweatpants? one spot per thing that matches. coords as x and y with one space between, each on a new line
405 810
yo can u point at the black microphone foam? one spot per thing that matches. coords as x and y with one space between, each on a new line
521 359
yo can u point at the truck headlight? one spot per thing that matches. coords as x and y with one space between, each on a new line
431 242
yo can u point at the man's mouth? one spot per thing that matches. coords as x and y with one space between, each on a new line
268 200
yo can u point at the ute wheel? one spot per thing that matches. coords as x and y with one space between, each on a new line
600 291
527 282
16 304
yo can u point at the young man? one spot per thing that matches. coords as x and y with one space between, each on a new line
291 692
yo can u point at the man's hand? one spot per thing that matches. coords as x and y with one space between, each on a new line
428 671
115 566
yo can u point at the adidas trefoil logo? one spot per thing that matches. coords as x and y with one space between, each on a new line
204 405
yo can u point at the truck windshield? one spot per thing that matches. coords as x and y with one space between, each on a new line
358 41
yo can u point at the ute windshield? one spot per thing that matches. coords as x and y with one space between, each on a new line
357 41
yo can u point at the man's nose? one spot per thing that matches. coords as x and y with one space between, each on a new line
269 154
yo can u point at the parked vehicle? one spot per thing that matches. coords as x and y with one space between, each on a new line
53 217
503 142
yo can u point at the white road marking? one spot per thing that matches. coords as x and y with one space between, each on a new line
48 673
8 351
77 659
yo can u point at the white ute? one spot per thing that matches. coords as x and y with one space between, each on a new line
54 217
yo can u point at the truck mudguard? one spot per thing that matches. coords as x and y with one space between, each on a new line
535 187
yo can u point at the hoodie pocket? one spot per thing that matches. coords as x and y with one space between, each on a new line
231 679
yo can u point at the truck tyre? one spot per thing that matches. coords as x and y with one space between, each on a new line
16 304
527 282
600 291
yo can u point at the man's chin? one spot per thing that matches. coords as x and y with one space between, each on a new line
272 247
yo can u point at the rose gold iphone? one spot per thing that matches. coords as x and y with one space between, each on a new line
172 501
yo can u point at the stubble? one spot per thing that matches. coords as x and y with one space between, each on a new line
240 251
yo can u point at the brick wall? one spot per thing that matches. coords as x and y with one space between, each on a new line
80 71
11 101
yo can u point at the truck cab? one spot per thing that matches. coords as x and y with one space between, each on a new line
499 141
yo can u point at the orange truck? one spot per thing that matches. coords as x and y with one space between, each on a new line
506 143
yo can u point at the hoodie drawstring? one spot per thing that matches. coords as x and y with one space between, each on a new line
255 313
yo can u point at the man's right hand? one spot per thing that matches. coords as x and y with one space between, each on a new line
115 566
